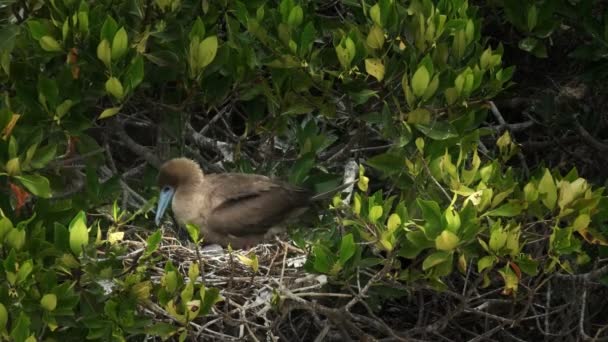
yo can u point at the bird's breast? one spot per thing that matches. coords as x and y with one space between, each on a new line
189 209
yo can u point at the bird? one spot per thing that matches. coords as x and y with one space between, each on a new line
236 209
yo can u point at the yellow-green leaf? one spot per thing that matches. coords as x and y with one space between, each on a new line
115 237
104 52
119 44
49 43
375 213
251 261
485 262
511 280
79 234
114 87
419 116
530 193
446 241
548 189
420 81
375 37
362 184
15 238
169 281
5 226
346 52
374 67
295 16
13 166
374 14
498 239
357 204
49 301
420 144
452 219
3 317
581 222
394 222
207 50
109 112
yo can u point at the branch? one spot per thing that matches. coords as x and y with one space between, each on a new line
588 138
136 148
224 148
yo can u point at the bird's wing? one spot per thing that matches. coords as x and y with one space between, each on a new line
246 204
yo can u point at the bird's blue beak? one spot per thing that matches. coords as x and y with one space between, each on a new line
166 194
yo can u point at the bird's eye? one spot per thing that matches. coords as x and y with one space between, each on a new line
166 189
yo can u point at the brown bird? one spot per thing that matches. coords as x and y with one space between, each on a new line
230 208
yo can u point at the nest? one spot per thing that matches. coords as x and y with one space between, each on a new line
283 302
246 311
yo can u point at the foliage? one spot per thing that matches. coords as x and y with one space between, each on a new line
539 22
276 87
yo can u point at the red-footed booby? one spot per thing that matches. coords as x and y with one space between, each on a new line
230 208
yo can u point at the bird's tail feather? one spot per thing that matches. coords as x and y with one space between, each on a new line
329 193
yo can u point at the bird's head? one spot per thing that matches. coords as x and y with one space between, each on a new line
175 174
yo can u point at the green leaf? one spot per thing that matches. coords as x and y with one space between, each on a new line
435 259
507 210
420 81
25 270
134 74
432 215
114 87
207 50
532 18
198 29
209 297
108 30
79 235
528 265
63 108
36 184
389 162
347 248
193 232
439 130
21 327
296 15
153 242
37 29
322 261
162 330
301 168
